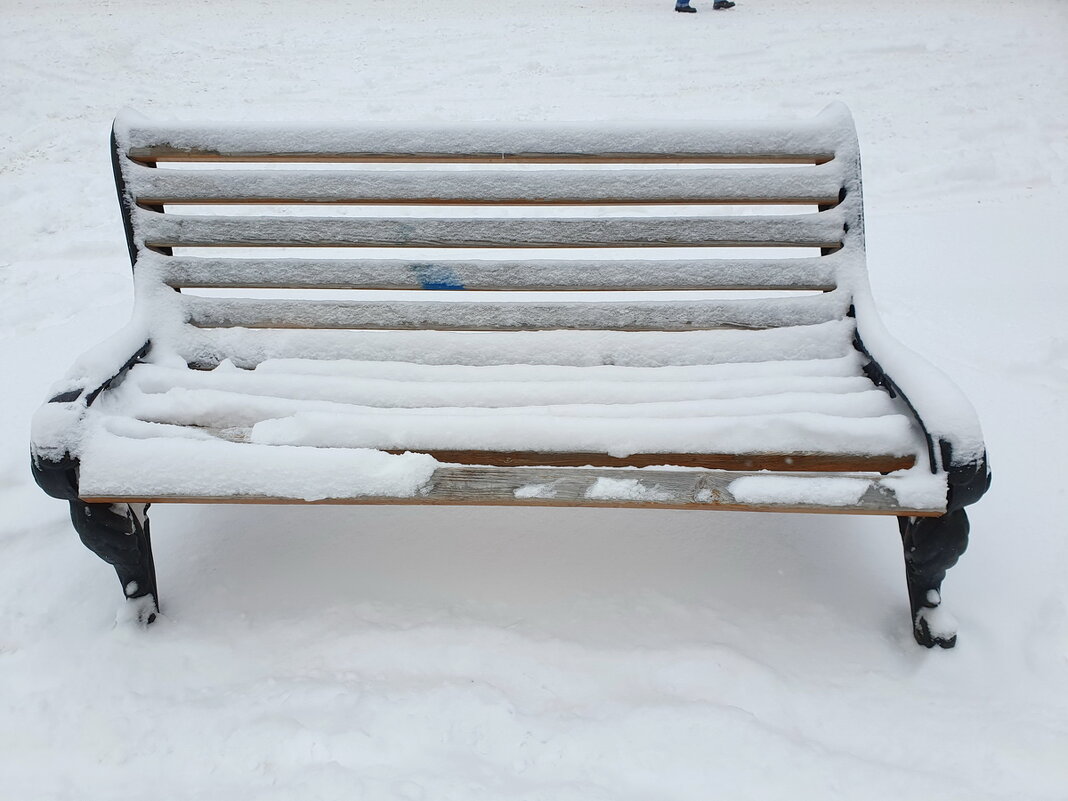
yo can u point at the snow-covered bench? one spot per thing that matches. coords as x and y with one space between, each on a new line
695 353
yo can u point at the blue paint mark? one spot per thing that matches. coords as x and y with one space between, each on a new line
436 276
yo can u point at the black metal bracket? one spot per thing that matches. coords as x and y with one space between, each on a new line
932 545
878 376
126 202
59 476
124 199
117 533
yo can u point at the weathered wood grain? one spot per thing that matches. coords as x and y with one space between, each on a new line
651 489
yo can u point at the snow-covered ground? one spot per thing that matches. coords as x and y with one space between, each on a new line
414 653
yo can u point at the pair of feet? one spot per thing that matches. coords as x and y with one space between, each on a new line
718 5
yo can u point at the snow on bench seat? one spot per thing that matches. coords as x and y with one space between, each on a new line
592 409
298 429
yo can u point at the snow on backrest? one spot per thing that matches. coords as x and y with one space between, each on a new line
294 229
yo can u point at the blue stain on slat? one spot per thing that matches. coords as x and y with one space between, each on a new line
436 276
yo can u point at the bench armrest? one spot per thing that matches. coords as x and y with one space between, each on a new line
947 417
55 429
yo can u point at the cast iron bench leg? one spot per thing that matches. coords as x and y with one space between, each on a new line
118 534
932 546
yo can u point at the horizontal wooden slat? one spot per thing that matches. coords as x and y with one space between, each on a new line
810 140
849 366
813 186
816 273
486 316
276 389
800 462
819 230
205 348
783 462
165 154
519 486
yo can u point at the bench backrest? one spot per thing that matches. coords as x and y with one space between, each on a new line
578 208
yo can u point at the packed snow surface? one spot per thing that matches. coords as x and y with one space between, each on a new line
833 491
461 653
624 489
123 463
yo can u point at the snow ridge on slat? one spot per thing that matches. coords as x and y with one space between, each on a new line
796 140
673 315
208 346
810 185
822 230
784 432
490 393
217 408
834 367
816 273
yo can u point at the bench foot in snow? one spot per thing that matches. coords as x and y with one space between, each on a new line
932 546
119 534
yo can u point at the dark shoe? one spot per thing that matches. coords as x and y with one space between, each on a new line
719 5
691 9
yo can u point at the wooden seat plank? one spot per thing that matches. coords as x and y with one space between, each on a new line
789 462
798 462
205 348
524 486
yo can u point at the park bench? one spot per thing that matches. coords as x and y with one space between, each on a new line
363 314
